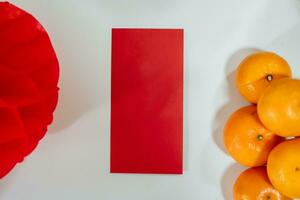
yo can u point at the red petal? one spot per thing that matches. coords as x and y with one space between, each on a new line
11 31
8 13
11 125
29 73
37 116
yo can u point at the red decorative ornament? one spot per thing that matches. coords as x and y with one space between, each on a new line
29 73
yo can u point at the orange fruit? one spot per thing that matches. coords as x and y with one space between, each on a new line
279 107
246 139
284 168
253 184
257 71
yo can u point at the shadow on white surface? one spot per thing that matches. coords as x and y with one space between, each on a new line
81 56
228 179
287 45
6 183
72 102
186 108
235 100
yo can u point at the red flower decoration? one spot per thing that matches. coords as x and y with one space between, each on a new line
29 73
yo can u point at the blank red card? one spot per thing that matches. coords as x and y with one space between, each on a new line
147 101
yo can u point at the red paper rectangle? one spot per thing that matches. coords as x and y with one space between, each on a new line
147 101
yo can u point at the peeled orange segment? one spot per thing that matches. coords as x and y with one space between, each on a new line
257 71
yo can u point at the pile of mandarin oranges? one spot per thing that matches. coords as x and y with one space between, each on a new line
264 135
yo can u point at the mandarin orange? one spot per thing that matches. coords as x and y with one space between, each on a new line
284 168
257 71
253 184
279 107
246 139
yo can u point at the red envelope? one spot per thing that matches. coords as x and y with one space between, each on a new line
147 101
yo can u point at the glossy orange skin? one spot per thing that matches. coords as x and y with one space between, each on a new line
284 168
246 139
279 107
253 184
252 74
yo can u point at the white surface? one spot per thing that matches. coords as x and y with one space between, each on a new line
72 162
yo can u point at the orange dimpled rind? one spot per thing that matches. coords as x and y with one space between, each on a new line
279 107
284 168
257 71
246 139
254 136
254 184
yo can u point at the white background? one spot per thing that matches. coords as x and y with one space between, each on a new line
72 162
